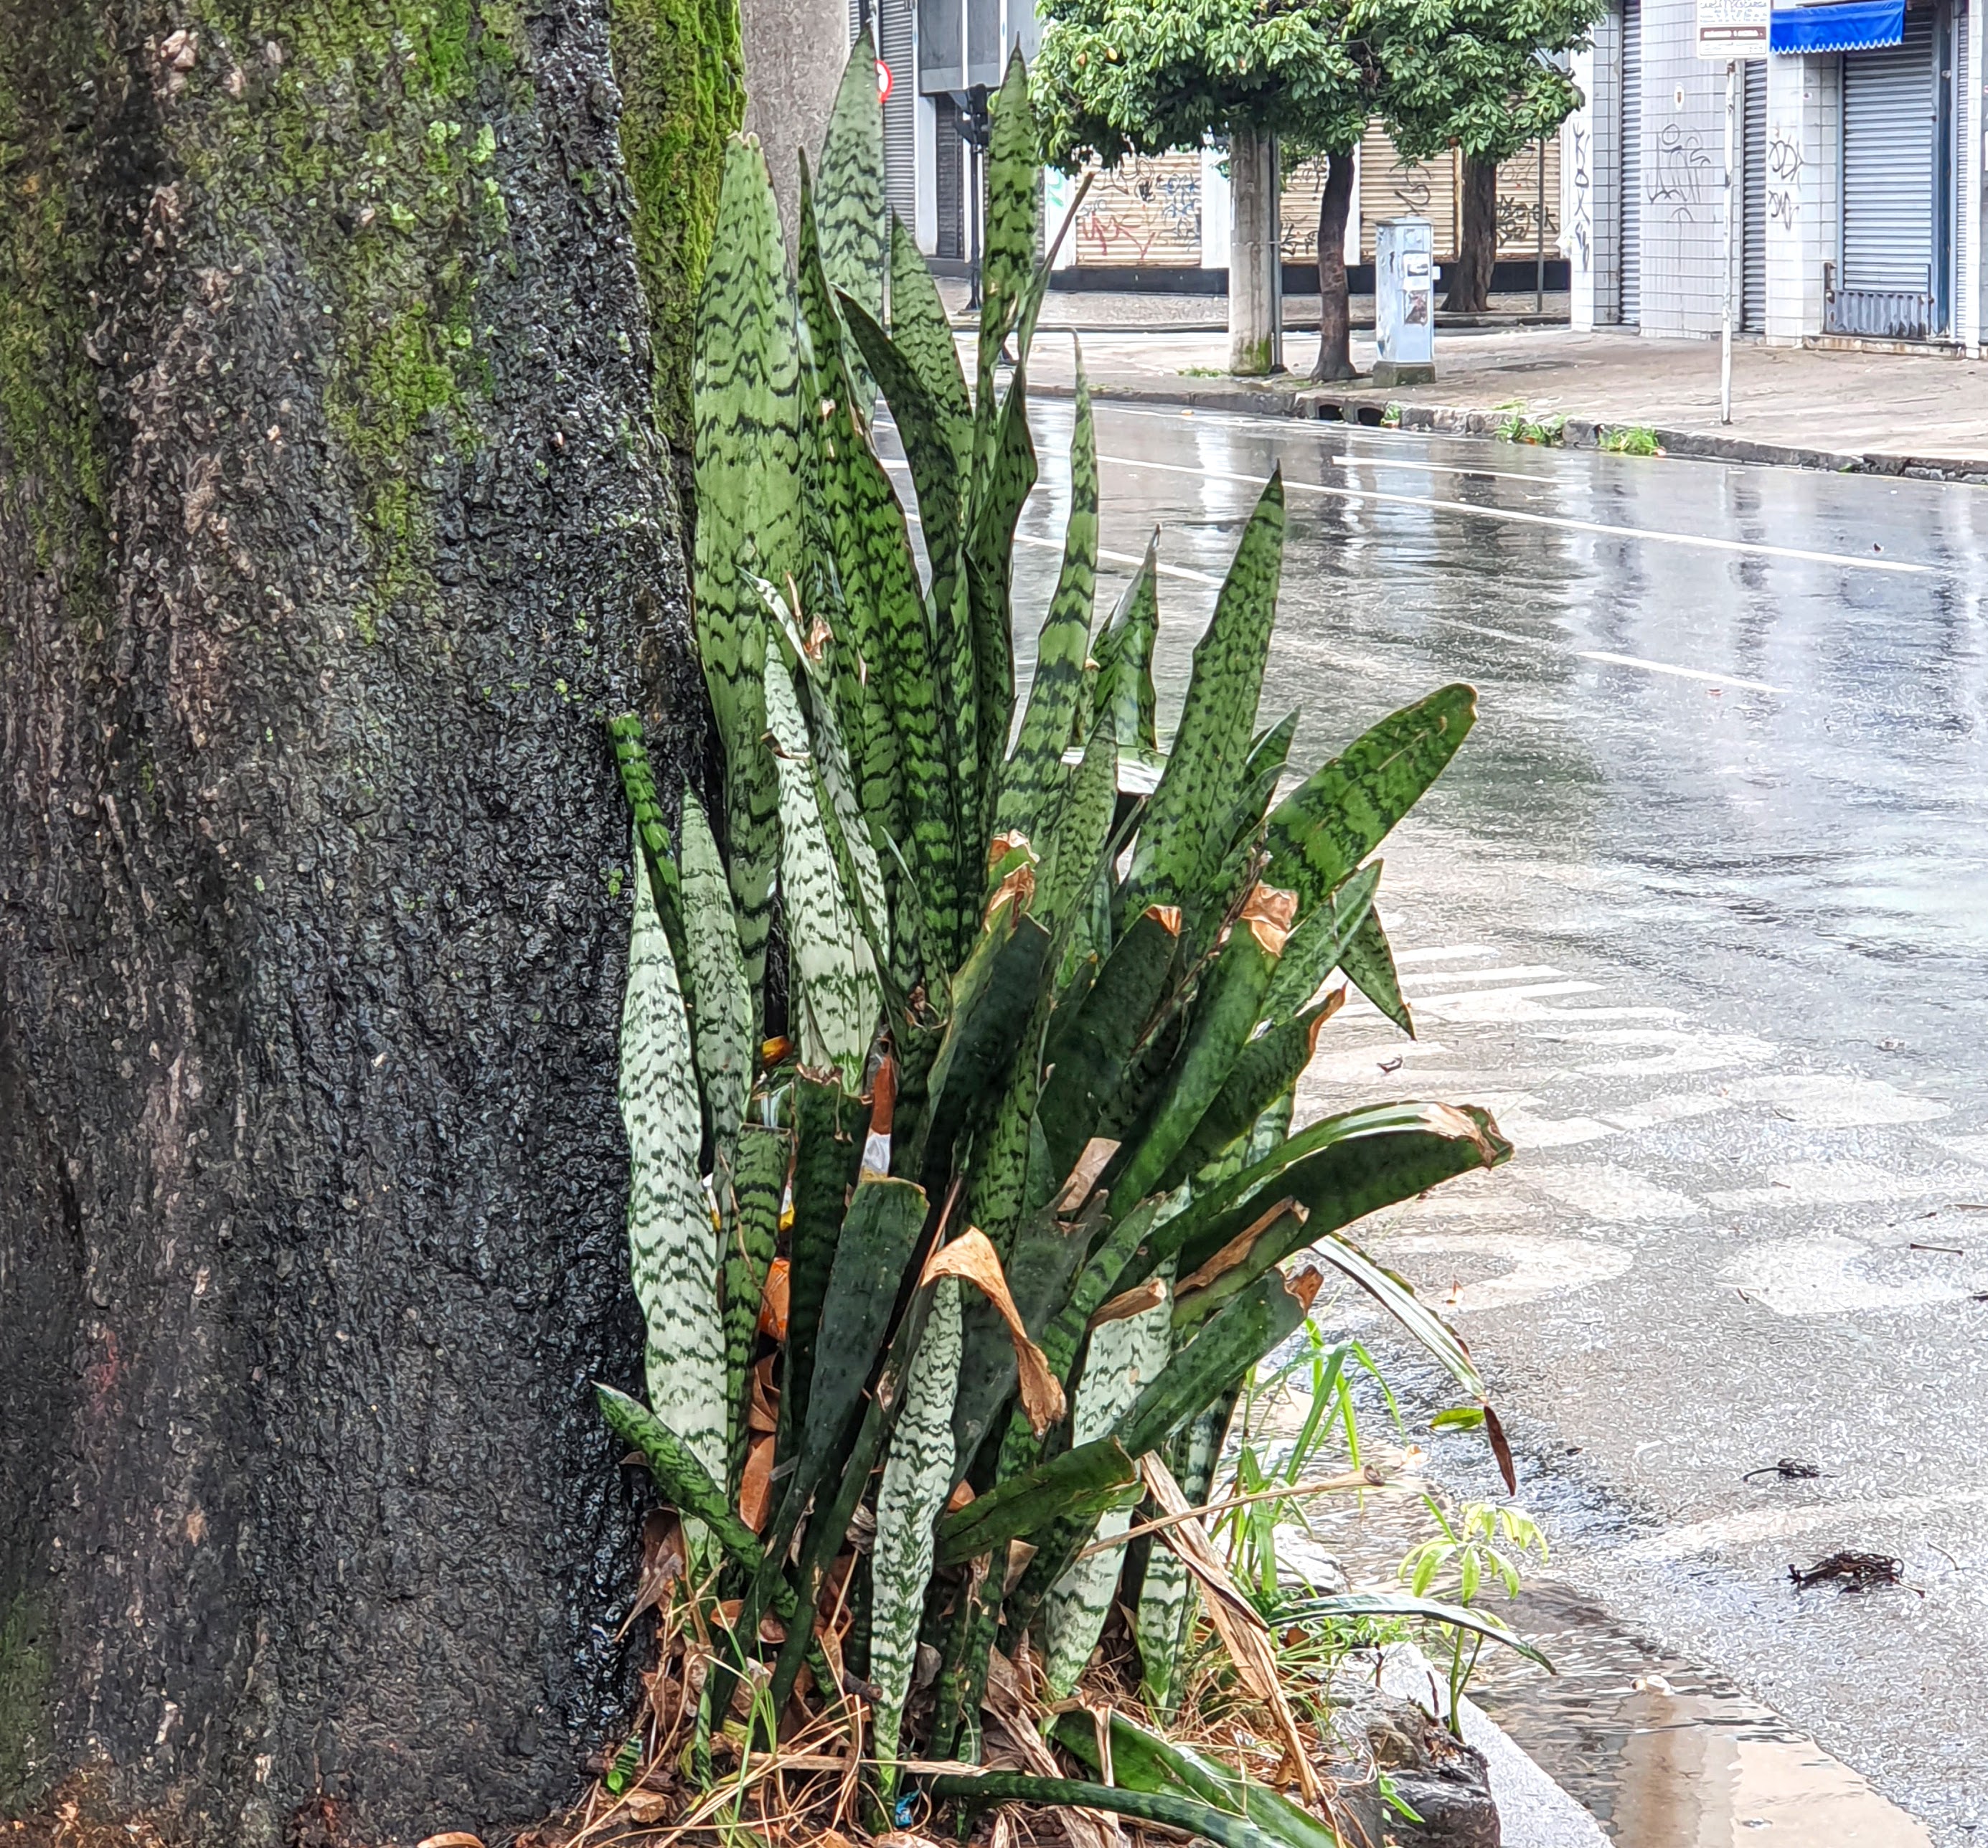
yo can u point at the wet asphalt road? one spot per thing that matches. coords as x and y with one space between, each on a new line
1701 913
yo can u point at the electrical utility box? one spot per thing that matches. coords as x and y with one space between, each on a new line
1404 302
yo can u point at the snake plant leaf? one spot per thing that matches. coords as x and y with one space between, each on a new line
1146 1761
1124 651
1359 1604
925 429
1074 865
1092 1053
830 1125
917 1477
1040 1267
1225 1013
751 1232
1084 1482
1264 1070
1369 964
746 391
1260 773
1125 1356
1034 771
993 1001
1344 1181
1159 1628
1184 833
1219 1215
879 1240
1007 480
721 1003
922 332
672 1245
686 1485
1014 170
1319 944
836 1001
1340 813
980 1789
854 217
652 835
1212 1359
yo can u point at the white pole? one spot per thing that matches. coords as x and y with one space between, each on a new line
1726 316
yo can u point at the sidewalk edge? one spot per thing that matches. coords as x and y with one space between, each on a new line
1313 404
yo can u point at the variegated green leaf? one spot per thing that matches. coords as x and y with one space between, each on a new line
1260 775
1333 819
1074 862
917 1477
1014 212
1160 1625
1035 767
758 1179
746 399
853 215
920 331
1185 834
835 1000
1317 947
721 1003
1124 651
1369 964
672 1245
1007 477
1125 1356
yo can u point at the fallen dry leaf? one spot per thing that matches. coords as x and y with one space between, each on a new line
452 1838
773 1301
972 1257
755 1484
662 1564
1097 1152
1239 1248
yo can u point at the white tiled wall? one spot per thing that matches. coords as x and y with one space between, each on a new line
1590 176
1684 142
1804 164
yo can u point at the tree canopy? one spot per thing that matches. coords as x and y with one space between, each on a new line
1116 77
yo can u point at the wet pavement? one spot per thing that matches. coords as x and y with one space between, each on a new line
1701 913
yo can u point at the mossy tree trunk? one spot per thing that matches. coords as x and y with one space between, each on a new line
333 519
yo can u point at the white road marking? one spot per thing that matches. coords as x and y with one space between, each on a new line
1705 542
1751 1526
1541 1266
1680 1051
1550 646
1524 971
1831 1183
1829 1276
1819 1102
1677 1107
1403 957
1616 1196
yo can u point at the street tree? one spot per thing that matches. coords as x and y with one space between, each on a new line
335 512
1119 77
1486 77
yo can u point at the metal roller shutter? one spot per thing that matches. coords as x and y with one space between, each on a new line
1631 312
900 156
1754 200
1890 121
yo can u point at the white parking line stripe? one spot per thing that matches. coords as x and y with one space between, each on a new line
1704 541
1550 646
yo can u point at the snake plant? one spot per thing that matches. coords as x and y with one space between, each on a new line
1050 990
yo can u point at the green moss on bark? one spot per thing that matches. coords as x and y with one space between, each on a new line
52 467
24 1672
682 79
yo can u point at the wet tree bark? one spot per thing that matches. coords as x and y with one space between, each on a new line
1335 330
332 522
1476 239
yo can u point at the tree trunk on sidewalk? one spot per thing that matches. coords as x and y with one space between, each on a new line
1335 331
1255 342
1476 239
332 523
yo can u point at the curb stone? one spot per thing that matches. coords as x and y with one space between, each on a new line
1312 404
1534 1811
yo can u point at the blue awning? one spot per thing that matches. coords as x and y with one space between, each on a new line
1849 25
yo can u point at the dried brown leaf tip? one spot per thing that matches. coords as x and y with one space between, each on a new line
972 1257
1167 917
1270 911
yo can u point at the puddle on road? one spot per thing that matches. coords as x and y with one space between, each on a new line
1663 1755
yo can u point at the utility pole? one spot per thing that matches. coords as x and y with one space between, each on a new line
1726 316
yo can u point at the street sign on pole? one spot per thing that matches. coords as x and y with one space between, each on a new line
1732 29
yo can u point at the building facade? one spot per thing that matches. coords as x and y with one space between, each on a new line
1858 188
